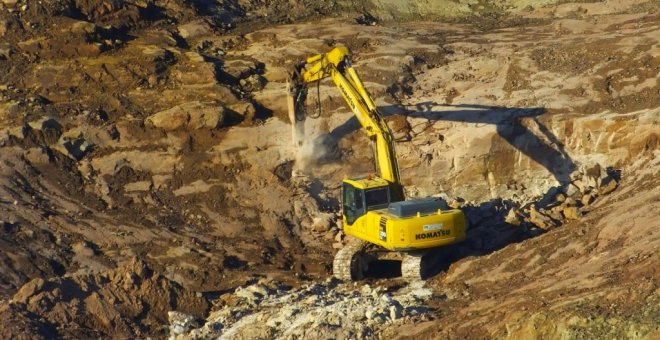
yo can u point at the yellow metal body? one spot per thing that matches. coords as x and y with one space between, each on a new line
421 231
411 233
378 226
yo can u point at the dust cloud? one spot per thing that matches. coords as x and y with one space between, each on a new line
316 151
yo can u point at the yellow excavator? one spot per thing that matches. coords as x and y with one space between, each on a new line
375 212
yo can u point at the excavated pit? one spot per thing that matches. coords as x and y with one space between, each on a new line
149 186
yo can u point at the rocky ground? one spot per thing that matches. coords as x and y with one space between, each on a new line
149 186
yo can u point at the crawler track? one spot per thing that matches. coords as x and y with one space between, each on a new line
411 266
348 264
419 265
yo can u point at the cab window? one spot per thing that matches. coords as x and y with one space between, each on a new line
377 198
353 203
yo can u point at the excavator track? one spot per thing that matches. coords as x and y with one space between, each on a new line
421 264
349 263
412 266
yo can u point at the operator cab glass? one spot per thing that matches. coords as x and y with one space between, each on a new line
356 202
377 198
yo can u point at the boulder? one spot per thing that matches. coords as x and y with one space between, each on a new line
592 182
587 199
555 214
582 185
50 127
5 51
239 69
401 135
195 70
38 156
249 295
569 202
395 311
379 318
28 290
322 222
253 83
456 203
571 213
180 323
194 29
81 27
329 236
387 298
78 147
418 125
83 248
560 197
191 115
608 185
245 110
512 217
10 3
366 289
259 290
540 219
195 58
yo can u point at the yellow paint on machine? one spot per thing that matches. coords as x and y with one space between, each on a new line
367 183
408 233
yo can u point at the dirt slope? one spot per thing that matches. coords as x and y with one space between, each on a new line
594 278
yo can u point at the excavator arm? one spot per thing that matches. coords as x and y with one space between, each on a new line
336 65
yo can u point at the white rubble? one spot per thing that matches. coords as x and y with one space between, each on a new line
319 311
180 323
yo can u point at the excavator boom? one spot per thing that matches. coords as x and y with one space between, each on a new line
336 65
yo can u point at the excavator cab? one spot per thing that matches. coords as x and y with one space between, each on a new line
364 194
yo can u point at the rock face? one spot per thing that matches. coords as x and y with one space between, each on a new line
103 305
192 115
410 9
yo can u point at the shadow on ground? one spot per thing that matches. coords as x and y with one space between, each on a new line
511 124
